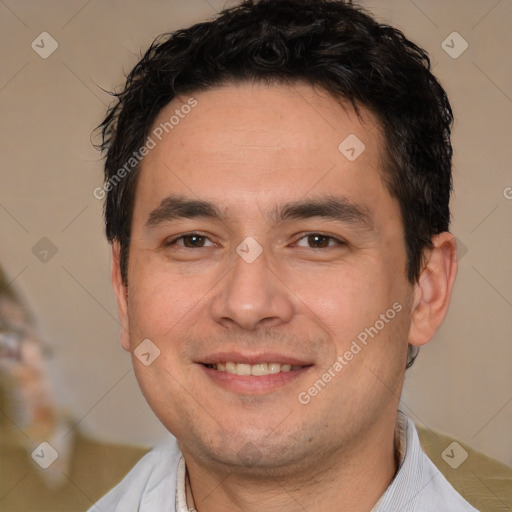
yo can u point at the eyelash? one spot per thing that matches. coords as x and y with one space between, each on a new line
173 241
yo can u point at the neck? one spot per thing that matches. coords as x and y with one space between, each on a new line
350 480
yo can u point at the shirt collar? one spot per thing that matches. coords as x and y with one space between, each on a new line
401 448
181 495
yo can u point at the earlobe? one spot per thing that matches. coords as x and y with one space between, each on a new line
121 293
432 291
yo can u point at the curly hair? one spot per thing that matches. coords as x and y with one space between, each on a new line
332 44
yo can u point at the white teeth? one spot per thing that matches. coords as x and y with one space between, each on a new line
274 368
243 369
259 369
230 367
254 369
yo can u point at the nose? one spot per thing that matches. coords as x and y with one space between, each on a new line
252 296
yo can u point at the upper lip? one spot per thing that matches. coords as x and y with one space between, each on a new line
262 357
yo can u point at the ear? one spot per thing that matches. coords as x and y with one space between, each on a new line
121 292
433 289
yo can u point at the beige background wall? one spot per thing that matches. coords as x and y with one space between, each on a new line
462 381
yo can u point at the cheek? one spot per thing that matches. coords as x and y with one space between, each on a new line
158 301
349 298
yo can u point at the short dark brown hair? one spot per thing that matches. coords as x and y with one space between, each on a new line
328 43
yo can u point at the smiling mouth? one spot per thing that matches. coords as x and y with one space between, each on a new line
258 370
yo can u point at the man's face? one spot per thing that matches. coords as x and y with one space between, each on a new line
252 151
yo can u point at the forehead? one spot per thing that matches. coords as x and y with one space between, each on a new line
247 140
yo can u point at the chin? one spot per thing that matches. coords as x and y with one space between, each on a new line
253 455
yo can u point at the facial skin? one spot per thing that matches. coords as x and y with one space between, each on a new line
248 442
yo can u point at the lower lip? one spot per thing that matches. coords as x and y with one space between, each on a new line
251 384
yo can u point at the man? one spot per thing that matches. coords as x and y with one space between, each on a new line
277 189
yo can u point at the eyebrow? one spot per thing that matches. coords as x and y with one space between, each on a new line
337 208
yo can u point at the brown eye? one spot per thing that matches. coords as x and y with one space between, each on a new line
190 241
193 240
319 241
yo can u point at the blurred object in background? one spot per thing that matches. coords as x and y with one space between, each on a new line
46 463
27 399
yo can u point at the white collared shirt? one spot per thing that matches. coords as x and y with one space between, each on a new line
157 482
